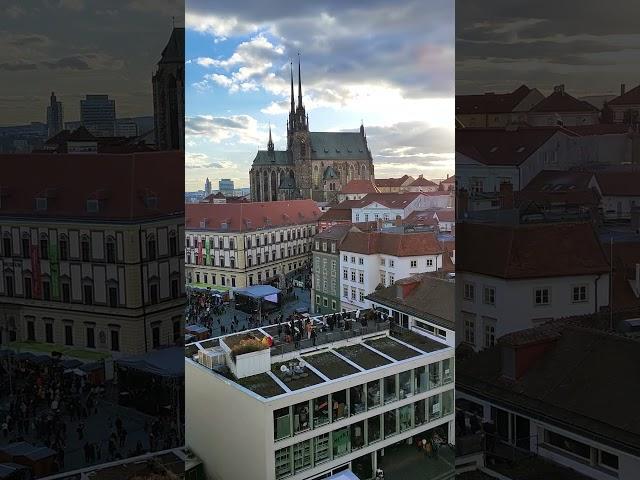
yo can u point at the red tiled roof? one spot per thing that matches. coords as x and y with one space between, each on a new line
389 200
562 102
396 244
632 97
422 182
243 217
421 217
559 187
446 215
360 186
451 179
622 183
499 146
491 102
391 182
530 251
124 184
336 214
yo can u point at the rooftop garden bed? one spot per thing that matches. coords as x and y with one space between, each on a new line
262 384
416 340
390 347
331 365
363 356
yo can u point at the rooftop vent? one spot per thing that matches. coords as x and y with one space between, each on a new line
93 206
151 201
41 204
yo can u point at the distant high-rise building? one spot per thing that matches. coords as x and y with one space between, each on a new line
54 116
225 185
168 94
207 187
98 115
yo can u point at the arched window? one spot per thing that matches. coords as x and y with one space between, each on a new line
85 248
44 246
7 245
110 249
173 243
151 247
63 247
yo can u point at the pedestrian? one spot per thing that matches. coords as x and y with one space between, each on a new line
313 336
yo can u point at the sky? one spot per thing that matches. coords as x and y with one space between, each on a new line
79 47
387 64
591 46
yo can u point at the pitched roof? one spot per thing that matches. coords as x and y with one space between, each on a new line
560 101
277 157
559 388
389 200
336 214
360 186
491 102
632 97
529 251
334 232
391 182
173 52
433 298
559 187
342 145
127 186
451 179
421 217
422 182
396 244
446 215
619 183
499 146
244 217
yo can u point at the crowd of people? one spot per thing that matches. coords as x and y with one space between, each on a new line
47 406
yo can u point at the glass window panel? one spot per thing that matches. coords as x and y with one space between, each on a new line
435 410
357 399
434 375
421 379
321 447
320 411
281 423
340 441
373 426
447 402
357 435
340 408
302 456
405 414
390 427
447 370
406 389
390 392
373 394
301 417
420 412
283 462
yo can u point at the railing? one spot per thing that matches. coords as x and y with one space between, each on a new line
281 347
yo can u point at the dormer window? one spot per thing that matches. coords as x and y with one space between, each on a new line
93 206
41 204
151 202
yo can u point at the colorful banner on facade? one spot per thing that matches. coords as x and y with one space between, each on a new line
36 276
54 269
199 259
206 251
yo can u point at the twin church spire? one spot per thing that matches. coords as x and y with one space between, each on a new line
298 119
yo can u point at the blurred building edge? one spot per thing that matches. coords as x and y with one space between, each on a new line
168 94
174 464
91 253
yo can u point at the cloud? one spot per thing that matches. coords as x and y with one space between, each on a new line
195 160
76 5
235 128
17 66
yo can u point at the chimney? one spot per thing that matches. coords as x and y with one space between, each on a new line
462 204
406 286
519 353
506 196
559 89
622 89
421 176
378 224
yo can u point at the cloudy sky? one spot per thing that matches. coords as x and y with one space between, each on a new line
389 64
591 46
76 47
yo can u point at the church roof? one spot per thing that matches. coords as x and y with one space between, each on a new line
338 145
279 157
174 50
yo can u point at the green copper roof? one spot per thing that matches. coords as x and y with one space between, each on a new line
338 145
279 157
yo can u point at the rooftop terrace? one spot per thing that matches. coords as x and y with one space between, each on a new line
356 347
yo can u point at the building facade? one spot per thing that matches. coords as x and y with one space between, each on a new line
315 165
231 245
98 115
55 116
325 289
83 270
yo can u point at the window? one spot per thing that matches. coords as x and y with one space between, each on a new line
357 217
6 246
345 274
360 277
87 291
91 337
46 290
490 295
608 460
579 293
361 296
333 248
344 258
68 334
324 246
113 296
48 332
489 335
469 291
44 248
414 263
568 444
345 292
173 244
353 259
391 279
8 281
317 299
175 292
177 330
31 330
66 292
64 249
151 248
353 275
429 262
283 462
26 244
27 288
115 340
85 249
155 333
542 296
470 331
360 261
111 251
353 294
317 245
392 263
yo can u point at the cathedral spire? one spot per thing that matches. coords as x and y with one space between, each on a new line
293 106
299 83
270 144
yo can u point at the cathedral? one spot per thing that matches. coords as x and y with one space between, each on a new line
315 165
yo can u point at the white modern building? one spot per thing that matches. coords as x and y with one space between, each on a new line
394 206
619 190
369 259
305 413
560 108
541 271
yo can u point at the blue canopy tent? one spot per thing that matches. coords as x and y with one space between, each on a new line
168 362
257 298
